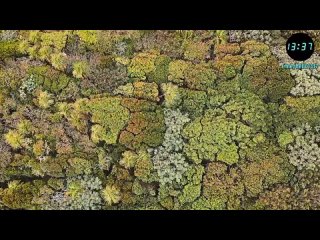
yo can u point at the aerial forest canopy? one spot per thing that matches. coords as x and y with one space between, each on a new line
203 120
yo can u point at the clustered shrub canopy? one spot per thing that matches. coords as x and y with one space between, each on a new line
204 120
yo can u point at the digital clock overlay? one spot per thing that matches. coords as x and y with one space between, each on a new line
300 46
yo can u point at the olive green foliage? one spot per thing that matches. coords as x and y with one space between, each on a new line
220 37
192 187
171 93
111 194
18 195
262 73
223 185
258 69
192 102
208 204
8 49
177 70
161 71
108 117
128 159
285 138
145 127
46 45
196 51
286 198
148 91
142 64
80 69
200 77
16 138
48 78
143 166
264 168
156 119
234 186
222 132
89 37
44 99
296 112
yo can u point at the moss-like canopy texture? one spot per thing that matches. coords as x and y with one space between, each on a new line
205 120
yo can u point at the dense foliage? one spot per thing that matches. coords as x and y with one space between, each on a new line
156 120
